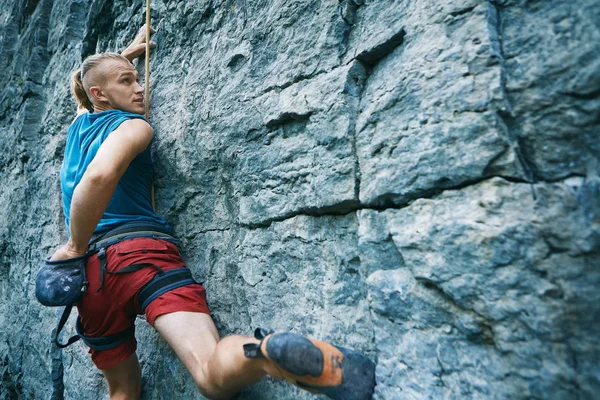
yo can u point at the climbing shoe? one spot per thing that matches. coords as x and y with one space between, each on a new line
337 372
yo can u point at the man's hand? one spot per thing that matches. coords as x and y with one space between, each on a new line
67 251
138 46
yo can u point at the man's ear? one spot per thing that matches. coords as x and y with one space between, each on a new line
98 94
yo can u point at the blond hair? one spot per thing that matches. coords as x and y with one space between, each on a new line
79 91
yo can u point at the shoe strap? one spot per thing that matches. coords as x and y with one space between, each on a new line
252 350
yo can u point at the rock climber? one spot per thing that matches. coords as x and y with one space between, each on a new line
136 267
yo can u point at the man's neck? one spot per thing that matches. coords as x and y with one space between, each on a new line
101 107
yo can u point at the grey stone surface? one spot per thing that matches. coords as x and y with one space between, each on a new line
418 180
493 282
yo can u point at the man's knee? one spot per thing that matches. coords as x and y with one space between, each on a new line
208 386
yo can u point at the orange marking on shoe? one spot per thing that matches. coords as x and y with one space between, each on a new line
332 367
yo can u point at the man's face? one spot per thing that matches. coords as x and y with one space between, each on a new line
121 88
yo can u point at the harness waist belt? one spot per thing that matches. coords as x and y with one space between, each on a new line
130 227
113 239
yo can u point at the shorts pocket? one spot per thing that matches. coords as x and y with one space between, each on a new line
141 245
137 251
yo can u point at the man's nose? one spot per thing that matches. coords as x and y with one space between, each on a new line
138 88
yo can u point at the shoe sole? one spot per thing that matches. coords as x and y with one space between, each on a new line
337 372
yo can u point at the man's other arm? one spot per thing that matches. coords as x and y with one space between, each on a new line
98 184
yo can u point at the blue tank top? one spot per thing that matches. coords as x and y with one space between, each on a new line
131 201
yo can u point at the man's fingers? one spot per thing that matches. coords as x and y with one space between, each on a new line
64 252
141 36
143 30
138 46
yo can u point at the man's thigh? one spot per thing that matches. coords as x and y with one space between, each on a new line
192 335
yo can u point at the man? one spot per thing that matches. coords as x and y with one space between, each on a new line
136 267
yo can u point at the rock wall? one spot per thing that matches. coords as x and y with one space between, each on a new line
415 179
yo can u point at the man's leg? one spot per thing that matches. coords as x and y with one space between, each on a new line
219 368
125 380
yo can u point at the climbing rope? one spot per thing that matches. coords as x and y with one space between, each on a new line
147 91
147 94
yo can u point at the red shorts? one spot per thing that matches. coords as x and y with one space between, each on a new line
114 308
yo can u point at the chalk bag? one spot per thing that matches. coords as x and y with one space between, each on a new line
61 282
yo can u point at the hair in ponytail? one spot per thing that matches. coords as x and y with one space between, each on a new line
80 91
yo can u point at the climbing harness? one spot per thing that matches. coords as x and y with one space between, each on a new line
161 283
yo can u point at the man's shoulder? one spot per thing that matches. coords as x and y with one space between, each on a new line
136 125
136 133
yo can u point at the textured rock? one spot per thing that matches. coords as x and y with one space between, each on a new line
429 112
418 180
489 284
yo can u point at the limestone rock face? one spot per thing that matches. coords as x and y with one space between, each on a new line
414 179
